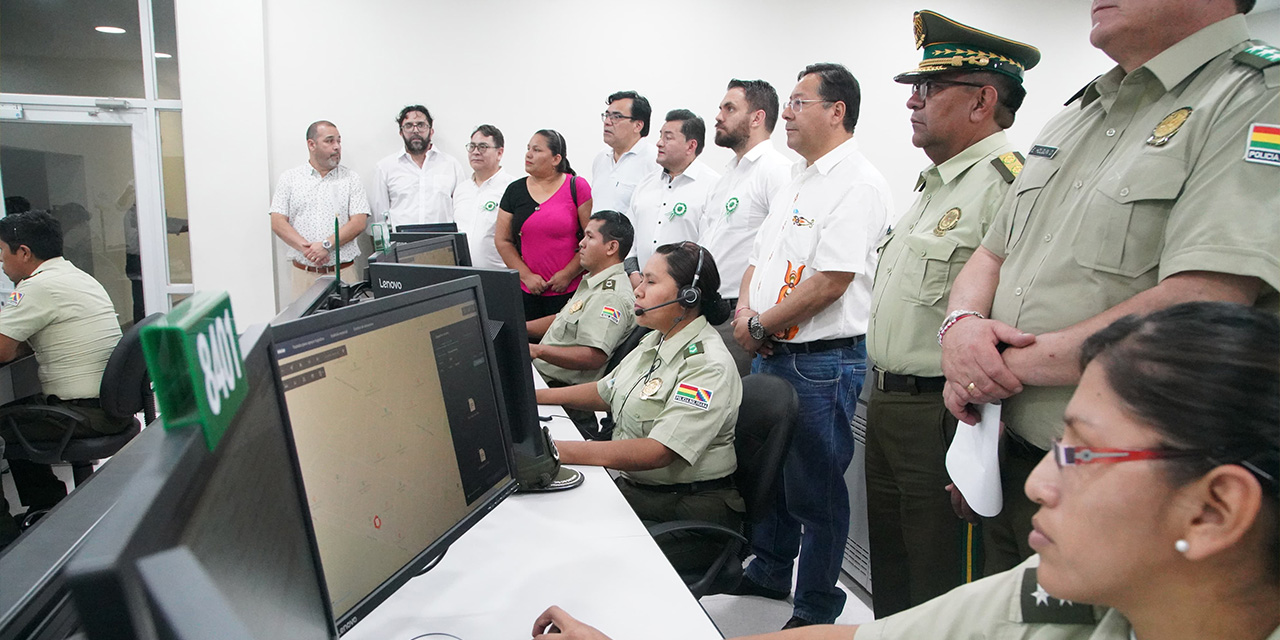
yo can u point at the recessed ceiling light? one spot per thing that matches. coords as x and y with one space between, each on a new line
112 30
163 56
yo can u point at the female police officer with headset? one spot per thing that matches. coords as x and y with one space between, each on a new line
674 401
1158 504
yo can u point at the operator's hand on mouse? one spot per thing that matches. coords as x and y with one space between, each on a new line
555 624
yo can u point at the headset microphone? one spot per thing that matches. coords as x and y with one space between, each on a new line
643 310
688 296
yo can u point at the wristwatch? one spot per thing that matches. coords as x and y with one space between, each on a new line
326 244
755 328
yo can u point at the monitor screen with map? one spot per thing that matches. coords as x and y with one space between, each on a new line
399 424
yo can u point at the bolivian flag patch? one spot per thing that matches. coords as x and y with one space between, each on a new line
696 397
611 314
1264 144
14 298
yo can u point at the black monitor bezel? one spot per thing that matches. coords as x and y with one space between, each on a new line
319 323
405 250
311 300
151 516
461 250
428 227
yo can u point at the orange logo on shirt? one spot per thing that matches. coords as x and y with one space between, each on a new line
790 281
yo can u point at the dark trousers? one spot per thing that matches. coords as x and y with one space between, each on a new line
919 547
687 551
38 487
541 306
1004 537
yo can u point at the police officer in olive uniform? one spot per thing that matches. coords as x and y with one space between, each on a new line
576 343
964 95
675 402
1156 185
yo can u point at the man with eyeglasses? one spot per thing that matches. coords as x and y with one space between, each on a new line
416 186
627 161
476 201
739 202
803 307
667 206
959 113
1155 186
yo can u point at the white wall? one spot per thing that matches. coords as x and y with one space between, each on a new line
528 65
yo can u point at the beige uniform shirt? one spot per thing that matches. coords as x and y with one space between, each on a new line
683 393
1115 196
923 254
70 323
600 314
1007 606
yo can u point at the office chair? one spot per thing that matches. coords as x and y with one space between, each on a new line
125 391
628 345
762 437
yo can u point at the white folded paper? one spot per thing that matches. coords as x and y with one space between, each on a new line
973 461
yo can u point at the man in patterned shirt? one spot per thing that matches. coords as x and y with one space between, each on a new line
307 201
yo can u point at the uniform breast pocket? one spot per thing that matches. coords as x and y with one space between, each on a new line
642 412
927 267
1031 182
1122 228
567 332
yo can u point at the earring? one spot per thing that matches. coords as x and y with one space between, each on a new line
1182 546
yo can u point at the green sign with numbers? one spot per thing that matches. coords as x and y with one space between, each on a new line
193 356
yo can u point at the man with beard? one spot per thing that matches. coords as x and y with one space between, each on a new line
416 186
739 201
307 201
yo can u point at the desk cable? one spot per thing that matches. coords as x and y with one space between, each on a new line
436 634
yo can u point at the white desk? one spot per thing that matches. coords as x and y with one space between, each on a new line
583 549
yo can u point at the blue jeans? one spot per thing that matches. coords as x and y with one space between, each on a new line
813 492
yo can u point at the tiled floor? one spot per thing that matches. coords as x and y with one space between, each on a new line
746 615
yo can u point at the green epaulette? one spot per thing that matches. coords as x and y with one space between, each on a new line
694 349
609 285
1009 165
1259 55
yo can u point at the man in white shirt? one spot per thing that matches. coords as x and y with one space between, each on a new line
667 207
804 307
627 161
739 202
476 201
417 185
307 201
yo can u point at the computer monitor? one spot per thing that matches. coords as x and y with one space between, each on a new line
460 247
437 250
430 227
536 464
34 601
400 428
239 511
316 298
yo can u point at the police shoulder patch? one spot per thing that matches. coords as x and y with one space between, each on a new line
15 297
1038 607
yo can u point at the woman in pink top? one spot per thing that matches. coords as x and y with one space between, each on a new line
540 221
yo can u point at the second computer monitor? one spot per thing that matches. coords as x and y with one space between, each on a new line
461 250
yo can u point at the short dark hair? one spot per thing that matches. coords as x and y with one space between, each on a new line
558 147
691 127
38 230
1206 377
760 96
16 204
616 227
492 132
1245 6
640 109
410 109
682 264
836 84
313 129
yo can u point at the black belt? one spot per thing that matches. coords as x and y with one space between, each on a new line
817 346
91 403
685 488
894 383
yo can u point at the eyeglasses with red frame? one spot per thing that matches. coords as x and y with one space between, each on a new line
1070 455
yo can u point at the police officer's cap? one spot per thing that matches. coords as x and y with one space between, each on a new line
950 47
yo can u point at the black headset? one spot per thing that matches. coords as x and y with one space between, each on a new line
691 295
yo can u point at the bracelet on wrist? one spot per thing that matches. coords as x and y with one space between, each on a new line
953 318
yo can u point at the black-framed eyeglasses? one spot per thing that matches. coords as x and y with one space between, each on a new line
613 116
481 147
924 88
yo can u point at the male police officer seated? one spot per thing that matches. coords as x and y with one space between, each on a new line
575 344
70 323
